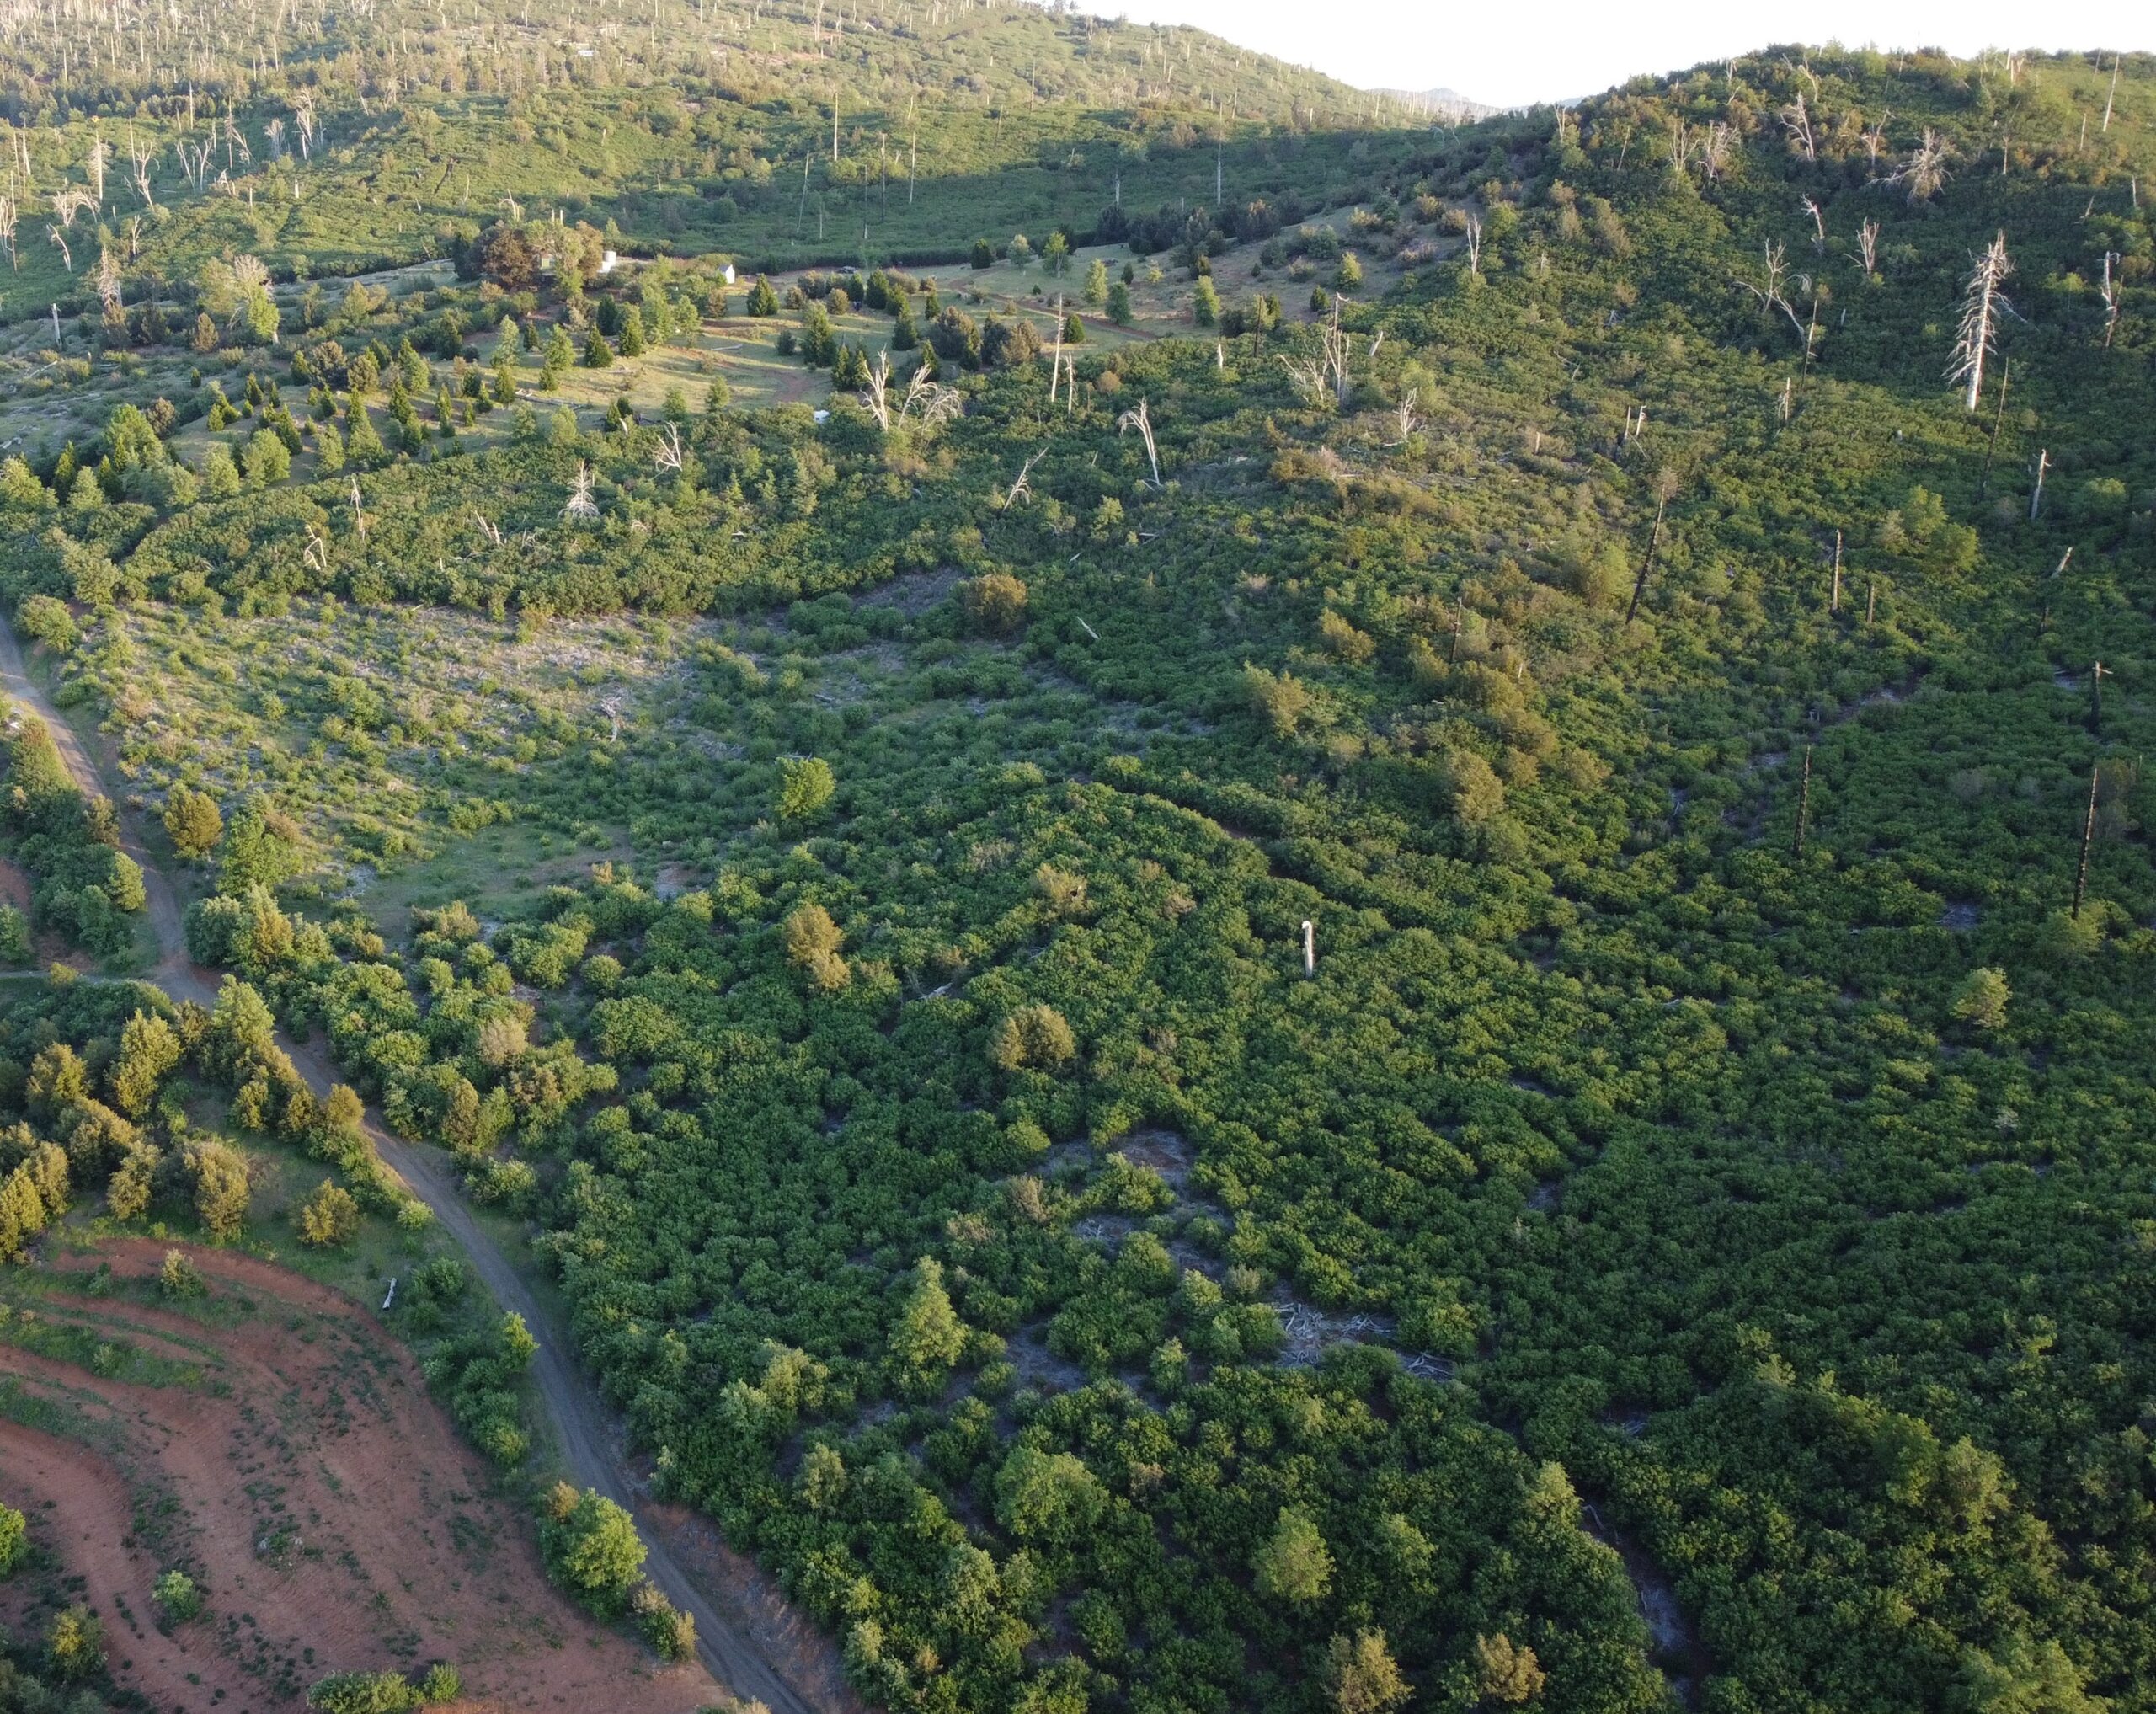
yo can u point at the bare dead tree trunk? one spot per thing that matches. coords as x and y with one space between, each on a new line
1982 305
1141 419
1803 805
2036 494
2088 838
1654 541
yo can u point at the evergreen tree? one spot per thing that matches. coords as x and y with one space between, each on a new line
362 444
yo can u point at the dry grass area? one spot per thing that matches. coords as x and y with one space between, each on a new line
275 1443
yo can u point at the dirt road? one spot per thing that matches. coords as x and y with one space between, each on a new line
587 1437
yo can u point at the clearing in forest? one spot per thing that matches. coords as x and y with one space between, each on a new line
271 1441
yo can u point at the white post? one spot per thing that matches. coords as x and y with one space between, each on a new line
1310 948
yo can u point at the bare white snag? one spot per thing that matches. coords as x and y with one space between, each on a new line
926 399
140 158
1769 291
580 507
1797 125
107 279
1875 143
1022 489
1818 226
1141 419
1982 305
1925 170
2110 293
1867 246
69 201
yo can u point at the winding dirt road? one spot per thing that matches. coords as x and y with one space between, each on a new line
587 1437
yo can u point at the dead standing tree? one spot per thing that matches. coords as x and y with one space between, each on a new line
1665 489
1323 379
1924 172
1141 419
1867 246
929 400
1769 291
139 159
1818 226
1983 304
580 507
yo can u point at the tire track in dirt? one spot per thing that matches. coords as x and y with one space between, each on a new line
93 1521
587 1437
337 1516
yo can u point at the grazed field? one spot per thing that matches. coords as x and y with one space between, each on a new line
275 1443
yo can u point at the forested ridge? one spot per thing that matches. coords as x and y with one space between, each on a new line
330 140
1685 1238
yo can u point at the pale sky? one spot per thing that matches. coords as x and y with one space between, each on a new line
1512 54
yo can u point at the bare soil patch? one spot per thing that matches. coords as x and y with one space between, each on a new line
321 1500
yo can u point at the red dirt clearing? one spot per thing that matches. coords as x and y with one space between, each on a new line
323 1500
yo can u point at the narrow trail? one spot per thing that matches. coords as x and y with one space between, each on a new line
585 1433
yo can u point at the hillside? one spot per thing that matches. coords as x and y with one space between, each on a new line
332 143
1400 958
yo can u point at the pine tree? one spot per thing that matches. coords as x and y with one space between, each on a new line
362 444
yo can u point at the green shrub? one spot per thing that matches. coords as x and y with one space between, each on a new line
176 1596
363 1693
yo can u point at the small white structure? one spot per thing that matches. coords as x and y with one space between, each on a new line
728 276
609 262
